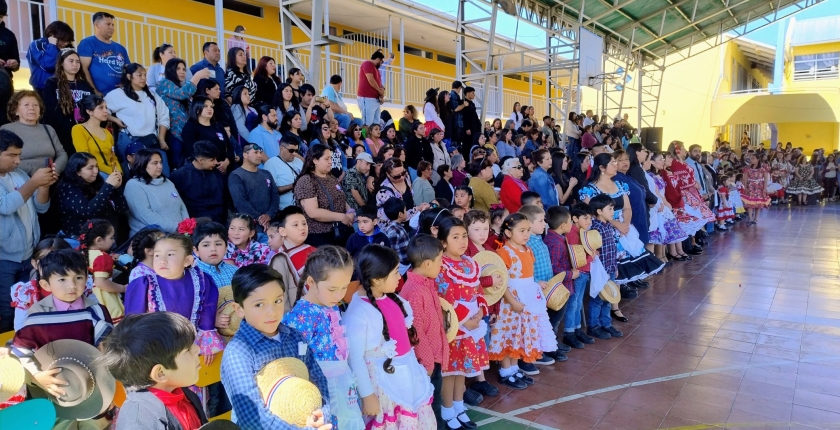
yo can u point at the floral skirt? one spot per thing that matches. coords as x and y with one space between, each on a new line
526 335
466 357
668 229
394 415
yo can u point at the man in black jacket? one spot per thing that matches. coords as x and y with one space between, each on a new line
472 122
418 148
9 53
201 184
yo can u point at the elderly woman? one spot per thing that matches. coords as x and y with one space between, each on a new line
423 190
25 110
83 194
459 175
512 186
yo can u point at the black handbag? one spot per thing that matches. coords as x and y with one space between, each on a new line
341 232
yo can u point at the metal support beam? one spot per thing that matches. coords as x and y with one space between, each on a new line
220 25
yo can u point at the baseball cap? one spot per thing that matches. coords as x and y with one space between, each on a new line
133 148
364 156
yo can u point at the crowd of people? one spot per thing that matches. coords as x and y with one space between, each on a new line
395 259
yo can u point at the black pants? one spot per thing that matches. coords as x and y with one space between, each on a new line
11 272
437 381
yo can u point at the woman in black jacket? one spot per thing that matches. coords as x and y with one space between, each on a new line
265 76
443 189
83 194
202 126
62 93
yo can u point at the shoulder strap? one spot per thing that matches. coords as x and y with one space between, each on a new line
95 142
326 191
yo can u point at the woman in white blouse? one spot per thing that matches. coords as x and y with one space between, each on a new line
141 115
431 113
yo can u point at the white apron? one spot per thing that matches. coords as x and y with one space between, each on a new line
528 292
409 386
344 398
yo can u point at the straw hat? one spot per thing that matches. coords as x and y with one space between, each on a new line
556 294
226 308
490 263
577 255
285 388
591 240
90 386
12 377
611 292
450 319
35 414
219 425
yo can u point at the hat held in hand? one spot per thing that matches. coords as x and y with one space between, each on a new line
225 307
286 391
12 377
489 263
556 294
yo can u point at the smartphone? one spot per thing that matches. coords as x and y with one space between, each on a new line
48 162
319 99
212 73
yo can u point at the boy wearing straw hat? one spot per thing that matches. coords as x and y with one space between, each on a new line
155 357
260 300
573 335
543 271
559 222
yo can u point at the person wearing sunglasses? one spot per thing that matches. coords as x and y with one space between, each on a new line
285 168
512 185
339 157
253 190
392 183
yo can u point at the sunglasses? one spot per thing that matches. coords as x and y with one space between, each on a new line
400 175
517 167
291 150
251 146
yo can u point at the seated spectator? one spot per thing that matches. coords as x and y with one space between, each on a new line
43 53
25 110
212 56
253 190
339 158
285 168
176 92
440 154
266 135
152 199
141 115
246 116
444 189
422 186
512 186
482 173
22 199
290 128
319 194
354 183
406 123
62 94
238 73
333 93
459 165
541 181
285 100
265 76
103 59
392 182
83 194
91 138
201 184
202 127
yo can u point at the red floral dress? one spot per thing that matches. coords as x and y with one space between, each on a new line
458 283
755 192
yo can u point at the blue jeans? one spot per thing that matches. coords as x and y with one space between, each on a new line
599 312
370 108
176 150
575 304
124 139
344 120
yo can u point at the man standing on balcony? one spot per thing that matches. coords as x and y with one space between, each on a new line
333 93
9 54
212 55
472 122
457 104
370 91
102 58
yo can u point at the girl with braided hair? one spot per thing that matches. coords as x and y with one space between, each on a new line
395 389
97 238
316 317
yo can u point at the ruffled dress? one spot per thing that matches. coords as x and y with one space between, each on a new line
322 329
256 253
755 193
526 335
458 283
664 226
725 211
805 183
735 198
690 194
101 265
690 218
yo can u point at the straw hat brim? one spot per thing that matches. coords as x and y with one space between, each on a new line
556 294
578 256
225 307
12 377
611 292
104 384
277 369
293 400
449 312
591 240
489 263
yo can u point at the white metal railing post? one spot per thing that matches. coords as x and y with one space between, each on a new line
402 63
328 53
52 10
220 25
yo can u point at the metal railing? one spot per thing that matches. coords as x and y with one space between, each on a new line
814 74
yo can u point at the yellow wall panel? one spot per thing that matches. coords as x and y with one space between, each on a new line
810 136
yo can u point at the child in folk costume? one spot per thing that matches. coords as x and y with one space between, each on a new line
97 238
395 389
523 330
143 251
725 211
735 190
458 284
317 318
243 248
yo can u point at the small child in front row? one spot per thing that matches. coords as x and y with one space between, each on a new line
421 292
287 233
522 331
559 222
543 272
242 248
97 239
725 210
155 357
394 209
65 314
497 216
600 320
458 283
143 251
395 389
581 221
368 232
210 245
259 295
316 317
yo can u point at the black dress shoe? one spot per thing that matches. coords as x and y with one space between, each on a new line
571 340
466 422
583 337
612 331
640 284
557 356
687 257
513 382
618 318
693 251
472 397
563 348
628 292
598 332
485 388
675 257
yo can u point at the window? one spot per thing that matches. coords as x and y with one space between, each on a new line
237 6
446 59
816 66
528 79
418 52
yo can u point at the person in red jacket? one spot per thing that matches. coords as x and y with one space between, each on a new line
512 186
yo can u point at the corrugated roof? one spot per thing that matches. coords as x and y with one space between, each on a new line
817 30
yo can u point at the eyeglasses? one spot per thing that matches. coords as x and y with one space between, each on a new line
517 167
400 175
251 146
291 150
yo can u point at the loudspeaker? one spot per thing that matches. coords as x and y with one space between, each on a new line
652 138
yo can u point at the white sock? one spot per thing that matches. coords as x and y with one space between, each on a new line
504 373
448 413
515 368
458 406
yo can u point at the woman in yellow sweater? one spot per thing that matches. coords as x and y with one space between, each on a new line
481 171
90 137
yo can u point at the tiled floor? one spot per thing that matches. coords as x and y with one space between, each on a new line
745 336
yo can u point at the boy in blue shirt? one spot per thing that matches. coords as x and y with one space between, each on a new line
600 320
368 232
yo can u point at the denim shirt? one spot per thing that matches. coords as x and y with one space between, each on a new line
542 184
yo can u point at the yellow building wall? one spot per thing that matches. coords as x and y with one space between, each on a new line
810 136
819 48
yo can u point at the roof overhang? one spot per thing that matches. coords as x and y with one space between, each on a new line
761 108
761 54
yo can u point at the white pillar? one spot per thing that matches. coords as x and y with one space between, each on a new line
52 11
220 27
